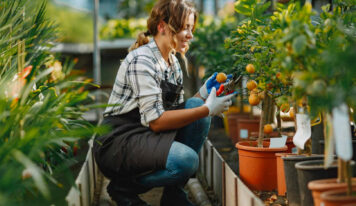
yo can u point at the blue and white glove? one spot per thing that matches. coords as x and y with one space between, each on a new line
204 91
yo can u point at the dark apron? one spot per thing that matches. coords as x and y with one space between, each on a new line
132 149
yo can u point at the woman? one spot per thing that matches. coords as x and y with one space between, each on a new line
156 136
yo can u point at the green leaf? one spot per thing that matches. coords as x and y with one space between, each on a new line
299 44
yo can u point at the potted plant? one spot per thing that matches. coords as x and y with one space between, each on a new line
307 55
336 77
252 45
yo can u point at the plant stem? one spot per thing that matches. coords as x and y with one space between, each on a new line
279 124
340 171
349 177
260 133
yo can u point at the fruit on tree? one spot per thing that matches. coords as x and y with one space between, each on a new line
253 99
221 77
250 68
267 129
251 84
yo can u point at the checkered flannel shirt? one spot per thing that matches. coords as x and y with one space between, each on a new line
138 80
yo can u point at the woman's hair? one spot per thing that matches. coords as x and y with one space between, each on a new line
173 12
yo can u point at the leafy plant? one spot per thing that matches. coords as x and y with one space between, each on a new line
253 46
321 59
41 104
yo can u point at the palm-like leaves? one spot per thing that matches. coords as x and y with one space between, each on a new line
38 125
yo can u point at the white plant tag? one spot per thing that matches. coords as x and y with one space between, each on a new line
342 132
303 130
278 142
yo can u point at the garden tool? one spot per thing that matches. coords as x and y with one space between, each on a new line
228 87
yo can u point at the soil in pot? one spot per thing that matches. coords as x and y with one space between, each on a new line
257 166
312 170
290 172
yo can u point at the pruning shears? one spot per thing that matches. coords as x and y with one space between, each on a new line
229 87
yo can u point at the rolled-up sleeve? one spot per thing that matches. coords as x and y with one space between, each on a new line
142 76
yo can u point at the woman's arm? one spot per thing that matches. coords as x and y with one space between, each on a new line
175 119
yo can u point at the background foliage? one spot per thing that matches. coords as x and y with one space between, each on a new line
41 104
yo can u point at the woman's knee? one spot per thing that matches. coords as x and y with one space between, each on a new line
182 160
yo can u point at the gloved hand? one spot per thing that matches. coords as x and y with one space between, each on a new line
217 105
204 91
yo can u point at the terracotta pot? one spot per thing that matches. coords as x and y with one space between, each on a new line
319 186
257 166
281 178
337 197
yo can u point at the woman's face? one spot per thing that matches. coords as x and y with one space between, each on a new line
184 36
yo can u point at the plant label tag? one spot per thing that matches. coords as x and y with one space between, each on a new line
342 132
243 133
303 130
278 142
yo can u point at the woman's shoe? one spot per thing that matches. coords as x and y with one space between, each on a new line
124 198
175 196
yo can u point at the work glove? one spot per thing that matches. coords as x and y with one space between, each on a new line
217 105
210 83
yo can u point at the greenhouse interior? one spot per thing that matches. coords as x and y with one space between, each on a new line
178 102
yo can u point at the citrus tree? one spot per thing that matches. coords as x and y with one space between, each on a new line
252 45
319 55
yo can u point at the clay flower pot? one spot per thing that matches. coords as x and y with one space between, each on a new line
337 198
319 186
258 165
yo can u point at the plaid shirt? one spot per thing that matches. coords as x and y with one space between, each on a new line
138 80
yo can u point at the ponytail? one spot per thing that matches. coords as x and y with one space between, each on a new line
142 39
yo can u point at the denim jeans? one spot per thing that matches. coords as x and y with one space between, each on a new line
182 161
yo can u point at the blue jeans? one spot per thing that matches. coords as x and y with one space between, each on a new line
182 161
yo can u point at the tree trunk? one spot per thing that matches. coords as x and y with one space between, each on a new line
266 116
